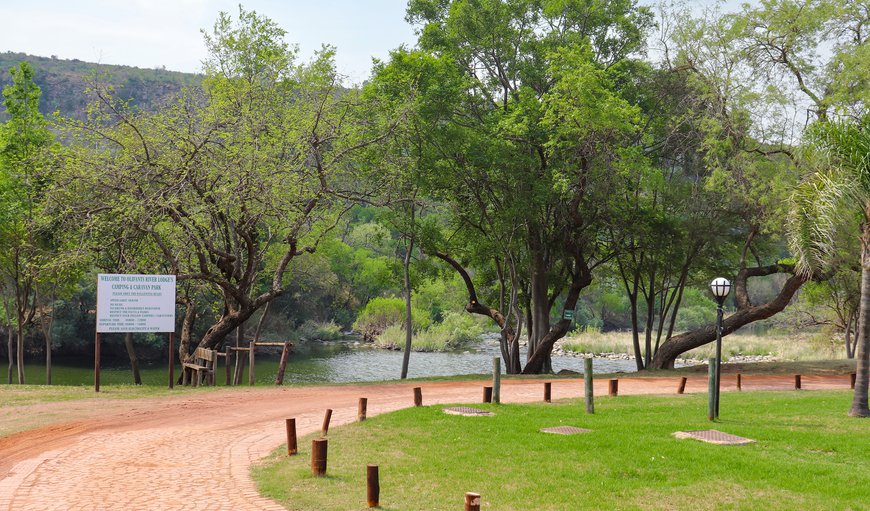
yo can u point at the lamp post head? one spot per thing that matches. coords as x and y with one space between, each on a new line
720 288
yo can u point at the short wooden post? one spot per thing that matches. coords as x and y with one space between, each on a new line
282 365
487 394
318 456
227 368
291 437
739 381
496 380
613 388
797 382
361 409
373 486
682 387
251 363
548 388
418 396
472 501
324 430
852 381
587 380
711 389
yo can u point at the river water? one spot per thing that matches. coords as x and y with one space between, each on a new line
342 361
348 361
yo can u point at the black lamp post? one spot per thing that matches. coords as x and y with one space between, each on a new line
720 287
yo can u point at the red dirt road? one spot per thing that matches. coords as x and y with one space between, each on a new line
195 450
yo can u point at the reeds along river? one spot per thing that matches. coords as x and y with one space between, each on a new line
344 361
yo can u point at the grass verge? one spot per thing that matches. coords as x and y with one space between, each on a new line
809 455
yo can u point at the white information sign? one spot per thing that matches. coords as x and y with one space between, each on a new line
135 303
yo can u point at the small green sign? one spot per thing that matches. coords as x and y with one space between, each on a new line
568 315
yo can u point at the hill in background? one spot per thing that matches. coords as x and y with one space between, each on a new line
63 83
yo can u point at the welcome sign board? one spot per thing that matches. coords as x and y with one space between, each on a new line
135 303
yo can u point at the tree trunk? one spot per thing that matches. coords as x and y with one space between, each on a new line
46 322
10 347
20 352
134 360
48 344
849 353
409 330
540 308
859 400
185 340
260 322
649 296
580 278
679 344
240 360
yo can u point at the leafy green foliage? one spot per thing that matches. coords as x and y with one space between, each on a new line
381 312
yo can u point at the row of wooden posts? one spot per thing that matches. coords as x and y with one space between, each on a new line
490 394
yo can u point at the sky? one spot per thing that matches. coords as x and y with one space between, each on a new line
155 33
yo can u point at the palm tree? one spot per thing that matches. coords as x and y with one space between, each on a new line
841 149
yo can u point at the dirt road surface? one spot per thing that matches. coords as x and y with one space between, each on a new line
194 450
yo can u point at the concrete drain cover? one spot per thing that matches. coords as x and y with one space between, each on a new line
565 430
711 436
468 412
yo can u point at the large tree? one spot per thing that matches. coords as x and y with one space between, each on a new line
25 164
762 80
233 180
839 189
524 130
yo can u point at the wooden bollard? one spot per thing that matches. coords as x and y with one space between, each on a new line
418 396
852 381
472 501
613 387
373 486
318 456
797 382
487 394
361 409
682 386
739 381
587 381
548 388
291 437
324 429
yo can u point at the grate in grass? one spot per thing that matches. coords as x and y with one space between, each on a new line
565 430
711 436
468 412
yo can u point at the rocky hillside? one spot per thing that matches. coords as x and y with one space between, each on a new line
63 82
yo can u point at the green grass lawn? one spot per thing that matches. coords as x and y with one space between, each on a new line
809 455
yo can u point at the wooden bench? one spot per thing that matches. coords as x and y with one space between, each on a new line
203 365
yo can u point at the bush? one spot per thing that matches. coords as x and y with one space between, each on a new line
453 333
316 330
381 313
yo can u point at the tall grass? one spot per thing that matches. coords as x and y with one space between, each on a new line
781 347
453 333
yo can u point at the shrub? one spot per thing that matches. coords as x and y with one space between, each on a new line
380 313
453 333
329 331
